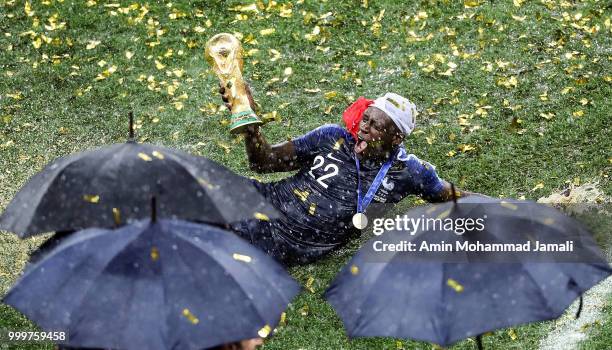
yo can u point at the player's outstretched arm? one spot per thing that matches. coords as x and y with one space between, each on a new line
428 185
446 194
263 157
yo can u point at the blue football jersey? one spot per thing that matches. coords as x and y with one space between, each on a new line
318 202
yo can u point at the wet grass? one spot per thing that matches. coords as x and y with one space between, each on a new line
523 112
601 330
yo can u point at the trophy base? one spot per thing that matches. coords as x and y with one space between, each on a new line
240 121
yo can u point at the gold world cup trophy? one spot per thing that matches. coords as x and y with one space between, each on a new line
224 54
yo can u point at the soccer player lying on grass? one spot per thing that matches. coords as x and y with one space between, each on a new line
339 173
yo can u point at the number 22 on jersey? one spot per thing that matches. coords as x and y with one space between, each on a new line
330 169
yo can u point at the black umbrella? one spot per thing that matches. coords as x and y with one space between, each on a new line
112 185
167 284
446 296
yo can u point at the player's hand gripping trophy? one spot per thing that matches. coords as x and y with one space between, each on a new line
224 54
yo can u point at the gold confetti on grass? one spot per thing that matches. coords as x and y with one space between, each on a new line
274 55
37 43
430 139
547 116
314 34
272 116
92 44
16 96
465 148
331 94
471 3
309 283
178 105
286 11
225 147
264 331
27 8
106 73
246 8
512 333
329 109
508 83
567 90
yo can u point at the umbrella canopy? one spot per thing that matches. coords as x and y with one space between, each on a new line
113 185
448 296
168 284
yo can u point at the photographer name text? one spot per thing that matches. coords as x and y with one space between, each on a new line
476 246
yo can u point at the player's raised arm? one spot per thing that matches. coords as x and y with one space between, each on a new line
266 158
263 157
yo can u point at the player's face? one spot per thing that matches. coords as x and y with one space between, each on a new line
377 134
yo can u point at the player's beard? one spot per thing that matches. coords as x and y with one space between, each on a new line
371 150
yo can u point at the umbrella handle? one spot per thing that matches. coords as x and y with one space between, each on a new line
153 209
479 342
454 193
579 308
131 130
573 285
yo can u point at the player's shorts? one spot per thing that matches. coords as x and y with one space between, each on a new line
267 236
274 238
